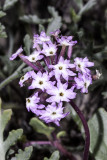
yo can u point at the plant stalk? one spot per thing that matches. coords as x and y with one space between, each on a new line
87 133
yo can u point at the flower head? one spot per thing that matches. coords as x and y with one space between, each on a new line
55 79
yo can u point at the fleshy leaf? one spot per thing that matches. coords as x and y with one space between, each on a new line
56 21
2 32
9 3
33 19
27 42
98 135
2 14
14 135
79 3
89 5
24 155
54 156
40 127
6 115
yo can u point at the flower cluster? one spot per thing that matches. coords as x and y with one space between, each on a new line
55 80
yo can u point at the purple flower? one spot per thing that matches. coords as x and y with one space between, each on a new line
41 81
83 82
26 77
34 57
62 68
60 93
81 64
53 113
37 109
66 41
32 101
40 39
55 33
20 50
49 49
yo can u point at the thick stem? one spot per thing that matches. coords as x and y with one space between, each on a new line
87 133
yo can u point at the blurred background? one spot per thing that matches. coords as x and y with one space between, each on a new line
86 20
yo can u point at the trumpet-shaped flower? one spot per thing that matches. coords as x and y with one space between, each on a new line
81 64
41 81
66 41
62 68
31 102
53 113
20 50
35 56
49 49
24 78
40 39
83 82
60 93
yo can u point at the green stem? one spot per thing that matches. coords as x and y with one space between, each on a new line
18 73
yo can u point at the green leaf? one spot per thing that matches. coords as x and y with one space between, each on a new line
33 19
40 127
24 155
2 14
27 42
75 16
98 134
14 135
5 118
54 156
89 5
56 21
104 95
8 4
79 3
2 32
41 28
